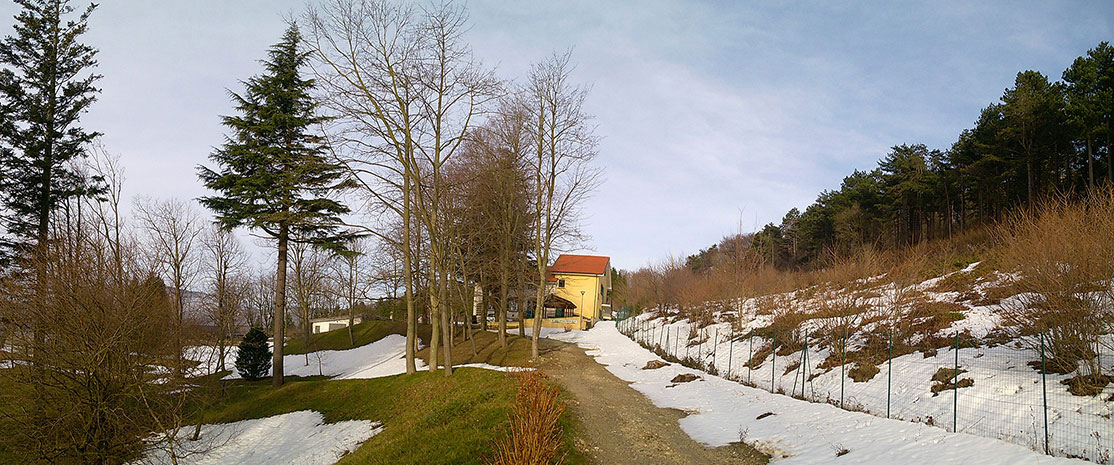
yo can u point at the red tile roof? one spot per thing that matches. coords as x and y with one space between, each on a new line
583 264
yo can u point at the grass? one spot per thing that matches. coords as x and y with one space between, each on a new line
364 333
487 350
428 418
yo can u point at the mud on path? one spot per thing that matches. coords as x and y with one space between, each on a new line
619 425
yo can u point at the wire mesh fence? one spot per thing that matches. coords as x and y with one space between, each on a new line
992 386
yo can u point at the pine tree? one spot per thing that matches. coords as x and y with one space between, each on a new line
274 173
254 358
45 86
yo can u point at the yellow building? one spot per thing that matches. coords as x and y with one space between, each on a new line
578 292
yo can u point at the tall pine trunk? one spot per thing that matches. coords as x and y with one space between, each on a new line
280 306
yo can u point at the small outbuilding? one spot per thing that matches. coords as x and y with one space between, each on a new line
324 325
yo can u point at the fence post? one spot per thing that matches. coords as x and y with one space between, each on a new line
890 372
842 366
1044 394
750 355
773 363
666 348
677 344
686 348
731 349
955 388
804 366
715 348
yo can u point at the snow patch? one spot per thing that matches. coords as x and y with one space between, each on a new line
300 437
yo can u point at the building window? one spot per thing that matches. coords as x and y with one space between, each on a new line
561 283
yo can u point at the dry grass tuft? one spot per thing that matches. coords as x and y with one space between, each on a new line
535 433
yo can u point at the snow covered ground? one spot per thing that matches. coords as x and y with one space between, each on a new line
385 357
296 438
792 431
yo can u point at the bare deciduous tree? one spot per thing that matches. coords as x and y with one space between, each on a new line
173 229
564 146
224 259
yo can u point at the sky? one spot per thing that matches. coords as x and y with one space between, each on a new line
713 117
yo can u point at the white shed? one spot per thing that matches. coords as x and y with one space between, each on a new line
322 325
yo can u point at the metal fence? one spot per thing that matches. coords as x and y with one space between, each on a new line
992 386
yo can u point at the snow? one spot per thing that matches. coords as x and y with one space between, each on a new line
385 357
382 358
797 432
300 437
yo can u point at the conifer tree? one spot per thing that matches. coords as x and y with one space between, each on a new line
253 359
274 175
45 85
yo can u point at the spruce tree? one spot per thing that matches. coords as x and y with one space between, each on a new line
253 358
45 86
274 175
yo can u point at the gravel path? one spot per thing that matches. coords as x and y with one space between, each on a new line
621 426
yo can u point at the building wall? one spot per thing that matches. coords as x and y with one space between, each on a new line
574 283
332 325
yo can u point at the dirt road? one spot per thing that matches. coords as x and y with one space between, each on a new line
621 426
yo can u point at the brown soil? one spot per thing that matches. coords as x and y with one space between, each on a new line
619 425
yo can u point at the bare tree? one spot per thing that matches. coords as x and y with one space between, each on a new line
564 177
496 212
363 56
173 229
308 286
224 258
350 280
406 90
106 339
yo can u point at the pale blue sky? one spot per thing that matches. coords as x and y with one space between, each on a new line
705 109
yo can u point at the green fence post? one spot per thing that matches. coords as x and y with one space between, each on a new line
890 372
773 363
804 374
715 348
1044 394
842 366
731 349
666 347
955 387
750 355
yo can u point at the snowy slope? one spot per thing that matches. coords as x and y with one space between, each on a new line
797 432
385 357
295 438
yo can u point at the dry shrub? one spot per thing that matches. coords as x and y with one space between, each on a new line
862 372
96 336
535 431
945 379
1089 385
1059 251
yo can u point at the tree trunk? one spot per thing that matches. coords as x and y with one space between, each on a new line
501 313
408 278
1109 156
435 322
280 307
446 318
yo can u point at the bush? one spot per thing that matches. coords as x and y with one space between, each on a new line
535 430
253 360
1059 253
862 372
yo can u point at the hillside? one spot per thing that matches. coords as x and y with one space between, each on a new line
891 348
